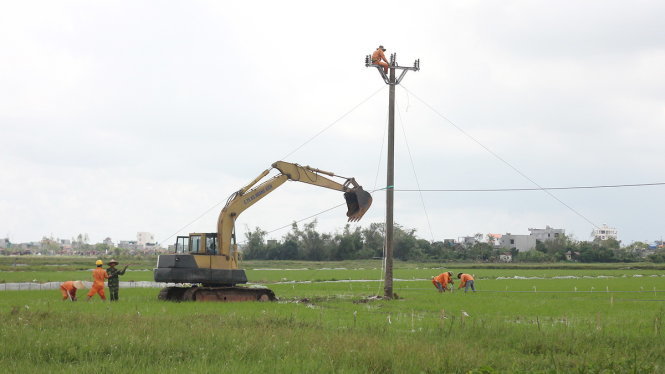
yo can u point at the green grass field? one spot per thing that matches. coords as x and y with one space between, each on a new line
611 324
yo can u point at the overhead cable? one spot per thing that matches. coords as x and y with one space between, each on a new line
191 222
530 189
501 159
287 155
333 123
413 167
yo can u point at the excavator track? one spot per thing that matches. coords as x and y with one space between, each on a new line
196 293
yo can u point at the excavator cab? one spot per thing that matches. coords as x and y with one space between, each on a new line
197 244
357 203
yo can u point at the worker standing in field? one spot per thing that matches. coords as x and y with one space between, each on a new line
442 281
466 281
68 289
379 58
99 275
114 279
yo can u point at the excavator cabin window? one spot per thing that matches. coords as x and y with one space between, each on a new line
211 244
194 243
182 244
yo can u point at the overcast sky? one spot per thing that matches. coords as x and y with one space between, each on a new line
126 116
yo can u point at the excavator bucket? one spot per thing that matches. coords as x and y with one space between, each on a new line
357 203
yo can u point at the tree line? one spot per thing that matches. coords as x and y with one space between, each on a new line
307 243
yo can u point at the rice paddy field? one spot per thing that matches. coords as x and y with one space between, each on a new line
524 319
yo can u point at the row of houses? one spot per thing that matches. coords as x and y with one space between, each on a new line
527 242
145 241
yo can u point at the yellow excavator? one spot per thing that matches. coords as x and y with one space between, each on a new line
208 262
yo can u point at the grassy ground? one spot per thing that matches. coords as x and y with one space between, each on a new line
334 326
57 269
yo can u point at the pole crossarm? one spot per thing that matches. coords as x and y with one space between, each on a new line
393 65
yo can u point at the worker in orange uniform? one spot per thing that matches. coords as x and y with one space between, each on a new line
466 281
68 289
442 281
99 275
379 58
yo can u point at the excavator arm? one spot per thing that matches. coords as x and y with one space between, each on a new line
357 199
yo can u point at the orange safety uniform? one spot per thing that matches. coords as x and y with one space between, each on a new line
380 59
99 275
68 290
443 279
464 278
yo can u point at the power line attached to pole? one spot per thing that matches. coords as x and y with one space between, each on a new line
387 71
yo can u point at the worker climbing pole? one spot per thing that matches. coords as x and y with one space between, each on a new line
377 59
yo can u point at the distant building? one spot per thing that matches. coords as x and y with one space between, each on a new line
65 244
108 242
449 242
494 239
522 243
4 243
604 232
152 247
143 238
547 233
128 244
469 240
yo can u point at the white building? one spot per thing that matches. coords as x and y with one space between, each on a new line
522 243
548 233
469 241
143 238
604 233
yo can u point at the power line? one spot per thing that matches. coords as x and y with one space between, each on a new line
413 167
302 219
532 189
482 190
315 214
501 159
191 222
333 123
287 155
383 140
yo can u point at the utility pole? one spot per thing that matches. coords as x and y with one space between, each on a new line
390 180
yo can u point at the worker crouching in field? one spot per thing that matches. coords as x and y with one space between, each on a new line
114 279
466 281
99 275
442 281
68 289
